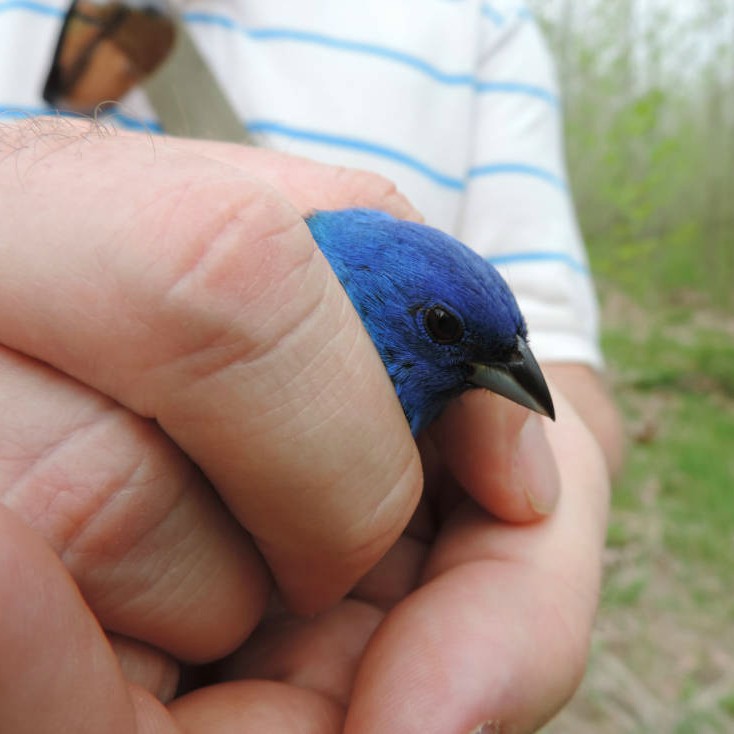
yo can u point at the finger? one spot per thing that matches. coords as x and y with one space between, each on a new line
399 571
146 667
194 296
318 653
153 551
58 672
493 656
500 631
395 576
310 185
151 715
257 706
499 454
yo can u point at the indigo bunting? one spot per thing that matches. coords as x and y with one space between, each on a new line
442 318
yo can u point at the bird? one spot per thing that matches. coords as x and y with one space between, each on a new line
441 317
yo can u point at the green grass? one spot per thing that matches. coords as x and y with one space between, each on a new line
679 378
662 659
727 703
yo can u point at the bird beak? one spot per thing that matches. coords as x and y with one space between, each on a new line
519 380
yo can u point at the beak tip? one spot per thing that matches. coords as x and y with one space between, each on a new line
550 411
521 381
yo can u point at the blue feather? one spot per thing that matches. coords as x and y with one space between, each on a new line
410 284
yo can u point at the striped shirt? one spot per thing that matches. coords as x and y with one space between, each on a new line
454 100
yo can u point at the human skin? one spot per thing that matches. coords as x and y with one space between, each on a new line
180 382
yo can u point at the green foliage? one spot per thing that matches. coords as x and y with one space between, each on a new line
624 594
687 371
666 608
727 703
649 107
650 138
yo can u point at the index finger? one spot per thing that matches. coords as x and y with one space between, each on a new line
193 294
309 185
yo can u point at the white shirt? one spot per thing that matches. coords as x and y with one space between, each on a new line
454 100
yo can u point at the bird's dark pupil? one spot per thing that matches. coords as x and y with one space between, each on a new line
442 326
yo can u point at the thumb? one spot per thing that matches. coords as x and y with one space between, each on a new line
498 452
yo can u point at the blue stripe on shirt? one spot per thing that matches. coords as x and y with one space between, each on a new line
359 145
530 90
529 258
397 156
332 140
523 169
128 122
31 6
368 147
131 123
342 44
491 13
18 113
525 14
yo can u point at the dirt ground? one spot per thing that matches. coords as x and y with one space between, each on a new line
659 664
662 660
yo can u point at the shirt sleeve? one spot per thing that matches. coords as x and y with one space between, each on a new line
519 210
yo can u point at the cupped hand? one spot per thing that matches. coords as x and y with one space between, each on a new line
180 380
190 293
469 623
175 340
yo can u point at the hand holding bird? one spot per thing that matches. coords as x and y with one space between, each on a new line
172 296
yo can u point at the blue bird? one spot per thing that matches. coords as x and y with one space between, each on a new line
442 318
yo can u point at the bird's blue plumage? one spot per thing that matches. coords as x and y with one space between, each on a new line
395 273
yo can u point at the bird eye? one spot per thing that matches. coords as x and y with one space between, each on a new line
442 326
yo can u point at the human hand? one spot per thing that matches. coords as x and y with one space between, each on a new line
456 542
477 620
169 327
468 620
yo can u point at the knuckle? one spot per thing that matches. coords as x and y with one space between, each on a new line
240 245
381 524
68 486
366 188
241 275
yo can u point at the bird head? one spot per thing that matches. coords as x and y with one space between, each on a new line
442 318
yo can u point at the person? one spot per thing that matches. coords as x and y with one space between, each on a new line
193 415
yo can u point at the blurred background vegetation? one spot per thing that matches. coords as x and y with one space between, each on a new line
648 89
649 106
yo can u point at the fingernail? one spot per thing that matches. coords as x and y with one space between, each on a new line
535 467
488 727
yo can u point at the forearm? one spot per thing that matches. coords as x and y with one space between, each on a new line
585 390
